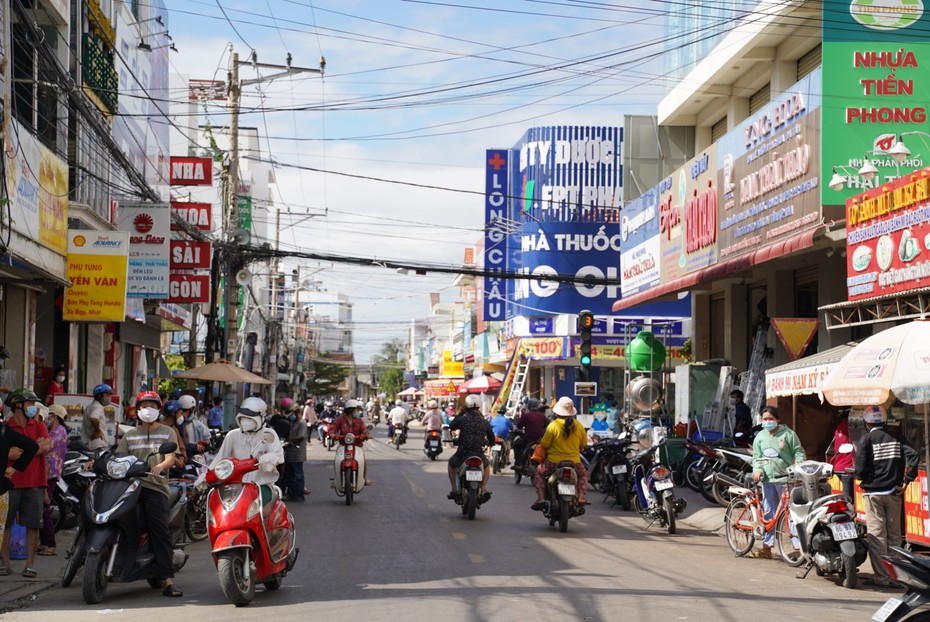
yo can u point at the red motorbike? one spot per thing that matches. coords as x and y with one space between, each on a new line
252 542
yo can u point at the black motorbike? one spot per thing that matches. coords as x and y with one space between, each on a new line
399 435
562 495
609 468
111 542
523 465
468 486
432 445
913 572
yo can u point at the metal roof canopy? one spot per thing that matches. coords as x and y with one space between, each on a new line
905 306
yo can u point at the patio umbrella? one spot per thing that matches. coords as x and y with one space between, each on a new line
481 384
894 363
221 371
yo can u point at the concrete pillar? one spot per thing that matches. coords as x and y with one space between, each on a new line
784 76
17 334
702 138
831 290
700 325
736 316
737 111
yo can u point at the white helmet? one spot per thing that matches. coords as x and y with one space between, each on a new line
398 402
352 404
472 401
875 415
432 404
187 402
251 414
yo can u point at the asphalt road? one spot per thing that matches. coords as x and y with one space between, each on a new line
405 552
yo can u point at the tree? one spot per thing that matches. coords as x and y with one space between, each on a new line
388 367
167 386
324 377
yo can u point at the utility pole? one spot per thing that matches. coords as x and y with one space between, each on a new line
234 95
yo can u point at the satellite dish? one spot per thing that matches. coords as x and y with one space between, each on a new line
240 236
243 277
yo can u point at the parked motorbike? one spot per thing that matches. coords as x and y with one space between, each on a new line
349 467
608 468
432 446
828 538
497 455
734 462
651 480
111 542
252 541
913 572
70 488
468 486
399 436
562 495
524 466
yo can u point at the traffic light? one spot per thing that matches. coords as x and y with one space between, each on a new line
585 326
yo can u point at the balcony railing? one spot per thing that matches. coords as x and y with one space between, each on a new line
99 73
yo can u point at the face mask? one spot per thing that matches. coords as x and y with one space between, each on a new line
60 379
769 425
247 424
31 411
600 417
733 401
292 417
148 415
180 420
106 401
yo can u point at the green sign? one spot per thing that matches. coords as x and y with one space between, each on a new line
244 206
876 86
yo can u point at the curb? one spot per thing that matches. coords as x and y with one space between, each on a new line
16 591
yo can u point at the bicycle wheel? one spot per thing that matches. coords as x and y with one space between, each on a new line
738 524
787 544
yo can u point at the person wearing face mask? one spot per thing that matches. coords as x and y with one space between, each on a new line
351 421
169 418
295 453
56 386
28 493
143 442
93 432
774 449
194 433
742 417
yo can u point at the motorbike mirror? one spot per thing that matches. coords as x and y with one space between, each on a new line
199 460
770 452
370 427
846 448
739 435
167 448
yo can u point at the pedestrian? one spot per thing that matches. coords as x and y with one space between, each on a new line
742 417
93 427
54 462
29 487
295 453
774 449
310 418
56 386
215 415
885 464
613 415
18 451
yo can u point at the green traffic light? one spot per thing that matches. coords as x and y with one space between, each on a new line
585 360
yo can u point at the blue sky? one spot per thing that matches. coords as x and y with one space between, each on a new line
414 92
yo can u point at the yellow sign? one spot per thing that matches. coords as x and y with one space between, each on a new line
453 369
53 201
451 387
97 266
544 347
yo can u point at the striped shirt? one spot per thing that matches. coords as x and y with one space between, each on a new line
142 444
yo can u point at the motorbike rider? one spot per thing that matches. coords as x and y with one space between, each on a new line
278 421
93 432
533 422
502 425
351 421
169 418
397 416
194 433
886 465
252 439
329 412
432 420
143 442
474 433
563 440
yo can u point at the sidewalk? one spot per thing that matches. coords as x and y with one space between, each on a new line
17 591
700 513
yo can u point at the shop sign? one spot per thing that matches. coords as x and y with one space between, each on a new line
190 255
803 381
495 238
187 171
198 215
888 237
97 268
188 288
453 369
544 348
639 235
769 172
149 226
876 88
541 326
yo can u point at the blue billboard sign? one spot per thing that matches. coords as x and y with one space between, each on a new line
495 235
639 232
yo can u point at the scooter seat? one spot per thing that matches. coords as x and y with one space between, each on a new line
173 493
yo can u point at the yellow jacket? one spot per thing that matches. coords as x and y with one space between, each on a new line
558 446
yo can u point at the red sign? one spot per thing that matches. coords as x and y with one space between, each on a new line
189 288
189 255
199 215
888 237
191 171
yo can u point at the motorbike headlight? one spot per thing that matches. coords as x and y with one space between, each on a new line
254 508
223 469
349 438
117 468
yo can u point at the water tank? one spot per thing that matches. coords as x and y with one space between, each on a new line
645 352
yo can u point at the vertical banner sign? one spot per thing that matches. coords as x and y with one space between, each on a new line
198 215
148 225
97 268
495 234
190 255
876 87
244 203
191 171
639 236
186 288
568 191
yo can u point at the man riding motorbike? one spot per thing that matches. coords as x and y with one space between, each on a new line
533 422
397 416
432 420
563 440
351 421
474 433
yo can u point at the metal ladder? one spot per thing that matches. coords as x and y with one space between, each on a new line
752 383
516 387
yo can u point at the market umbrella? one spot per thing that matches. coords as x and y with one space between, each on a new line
481 384
894 363
221 371
410 392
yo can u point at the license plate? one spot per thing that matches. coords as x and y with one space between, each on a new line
434 444
844 531
496 448
619 468
891 605
567 489
664 484
474 476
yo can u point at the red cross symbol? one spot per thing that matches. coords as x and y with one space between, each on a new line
497 161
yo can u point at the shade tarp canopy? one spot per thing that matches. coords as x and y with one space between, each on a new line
221 371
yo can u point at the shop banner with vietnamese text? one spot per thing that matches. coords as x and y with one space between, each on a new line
97 268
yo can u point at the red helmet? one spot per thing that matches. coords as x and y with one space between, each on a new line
148 396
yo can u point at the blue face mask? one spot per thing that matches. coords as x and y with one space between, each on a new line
292 417
31 411
769 425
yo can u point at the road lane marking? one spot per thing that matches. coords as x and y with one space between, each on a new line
475 558
458 535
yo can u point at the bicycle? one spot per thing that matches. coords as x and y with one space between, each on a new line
744 521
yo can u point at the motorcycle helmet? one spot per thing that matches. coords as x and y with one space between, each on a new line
187 402
144 396
642 431
532 404
352 404
251 414
472 401
398 402
875 415
101 389
286 404
171 408
21 395
432 404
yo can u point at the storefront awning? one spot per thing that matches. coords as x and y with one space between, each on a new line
903 306
803 376
791 244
